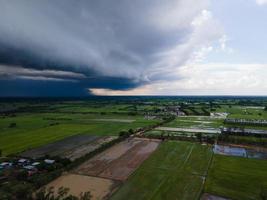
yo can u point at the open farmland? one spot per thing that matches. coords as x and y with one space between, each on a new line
176 170
141 163
237 178
34 130
59 147
203 122
71 147
20 141
102 174
118 162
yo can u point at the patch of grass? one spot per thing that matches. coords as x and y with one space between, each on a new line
237 178
173 171
18 141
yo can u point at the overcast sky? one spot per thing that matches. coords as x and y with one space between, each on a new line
140 47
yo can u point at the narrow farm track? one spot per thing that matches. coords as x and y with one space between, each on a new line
206 175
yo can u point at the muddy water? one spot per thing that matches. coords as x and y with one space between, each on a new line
247 152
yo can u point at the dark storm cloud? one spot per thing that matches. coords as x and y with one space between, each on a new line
121 43
26 87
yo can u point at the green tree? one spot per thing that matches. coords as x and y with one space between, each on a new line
22 190
131 131
199 136
5 195
12 125
263 194
22 175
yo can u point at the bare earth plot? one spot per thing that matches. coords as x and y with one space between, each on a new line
102 174
127 163
99 188
59 147
82 150
120 161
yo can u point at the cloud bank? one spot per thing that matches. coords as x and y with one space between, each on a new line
120 44
205 79
261 2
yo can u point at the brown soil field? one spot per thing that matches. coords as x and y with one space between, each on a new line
120 161
99 188
82 150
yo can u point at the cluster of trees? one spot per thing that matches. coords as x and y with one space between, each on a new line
205 138
191 110
25 192
20 185
12 125
249 102
126 134
61 194
167 119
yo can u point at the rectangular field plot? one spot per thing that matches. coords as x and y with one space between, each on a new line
119 161
72 147
21 140
59 147
237 178
99 188
82 150
176 170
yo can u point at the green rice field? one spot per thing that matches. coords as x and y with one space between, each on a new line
237 178
174 171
